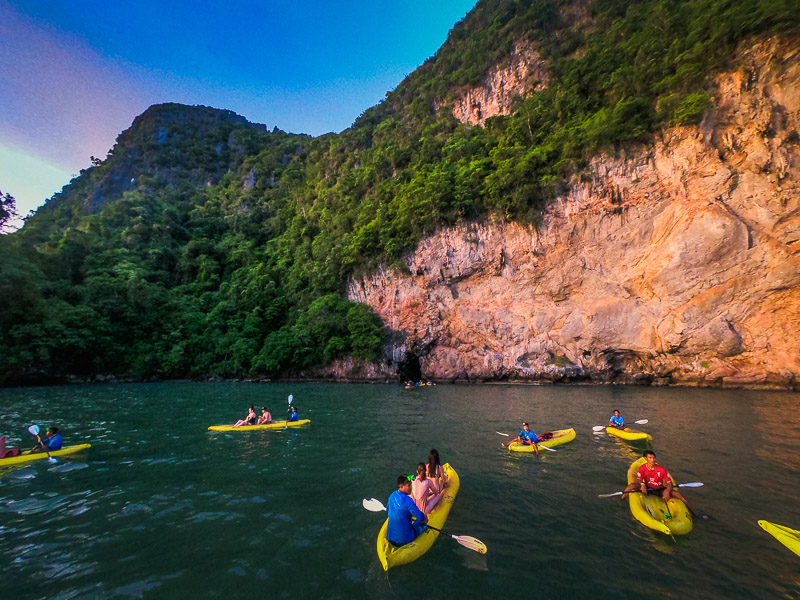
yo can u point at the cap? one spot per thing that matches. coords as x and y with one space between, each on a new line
525 425
410 477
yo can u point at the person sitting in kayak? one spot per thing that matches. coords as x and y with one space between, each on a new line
652 478
7 452
435 472
616 421
526 437
406 521
265 418
52 442
423 490
249 420
293 416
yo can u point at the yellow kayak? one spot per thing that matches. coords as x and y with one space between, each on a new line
561 436
27 456
392 556
273 425
628 434
788 537
651 511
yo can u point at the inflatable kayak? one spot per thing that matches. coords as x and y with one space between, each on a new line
27 456
392 556
273 425
788 537
672 518
561 436
628 434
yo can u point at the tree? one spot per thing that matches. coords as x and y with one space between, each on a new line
8 210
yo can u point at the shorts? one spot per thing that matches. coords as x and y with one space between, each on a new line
655 491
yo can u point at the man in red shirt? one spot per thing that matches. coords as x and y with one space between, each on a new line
652 478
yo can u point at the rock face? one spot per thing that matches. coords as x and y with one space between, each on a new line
677 262
521 72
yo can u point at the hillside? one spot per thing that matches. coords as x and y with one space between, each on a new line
206 246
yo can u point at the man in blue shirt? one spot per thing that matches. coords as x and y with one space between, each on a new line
616 421
293 414
51 443
401 508
526 437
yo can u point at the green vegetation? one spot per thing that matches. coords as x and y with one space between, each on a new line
205 245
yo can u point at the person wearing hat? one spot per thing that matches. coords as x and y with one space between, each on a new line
526 437
293 416
402 510
52 442
265 418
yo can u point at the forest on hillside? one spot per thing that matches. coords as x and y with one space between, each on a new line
204 245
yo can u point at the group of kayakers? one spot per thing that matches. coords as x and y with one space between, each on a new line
416 496
52 441
265 418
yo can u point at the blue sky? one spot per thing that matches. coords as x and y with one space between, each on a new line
75 73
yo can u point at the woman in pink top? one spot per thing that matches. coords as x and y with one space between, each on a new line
435 471
423 491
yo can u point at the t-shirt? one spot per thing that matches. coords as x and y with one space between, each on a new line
401 508
528 435
294 417
54 443
617 421
657 478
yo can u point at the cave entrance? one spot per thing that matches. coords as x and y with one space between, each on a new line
410 369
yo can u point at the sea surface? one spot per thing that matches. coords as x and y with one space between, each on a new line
160 507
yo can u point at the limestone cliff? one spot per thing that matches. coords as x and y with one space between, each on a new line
678 262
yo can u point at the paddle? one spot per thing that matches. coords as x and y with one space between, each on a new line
291 397
34 430
602 427
692 484
375 505
538 444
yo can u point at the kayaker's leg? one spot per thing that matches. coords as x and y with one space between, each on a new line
431 503
631 488
676 494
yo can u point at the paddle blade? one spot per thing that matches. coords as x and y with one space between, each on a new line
642 422
290 399
33 430
546 448
501 433
373 505
472 543
609 495
598 428
691 484
52 460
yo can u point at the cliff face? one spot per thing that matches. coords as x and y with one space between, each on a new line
677 262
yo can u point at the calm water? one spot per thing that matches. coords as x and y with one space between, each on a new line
160 507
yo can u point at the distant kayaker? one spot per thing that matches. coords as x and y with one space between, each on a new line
7 452
402 528
52 441
616 421
265 418
526 437
293 416
652 478
435 471
423 490
250 419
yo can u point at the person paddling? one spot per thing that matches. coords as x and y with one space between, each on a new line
293 416
265 418
249 420
652 478
402 528
52 442
526 437
616 421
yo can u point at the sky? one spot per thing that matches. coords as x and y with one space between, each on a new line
75 73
